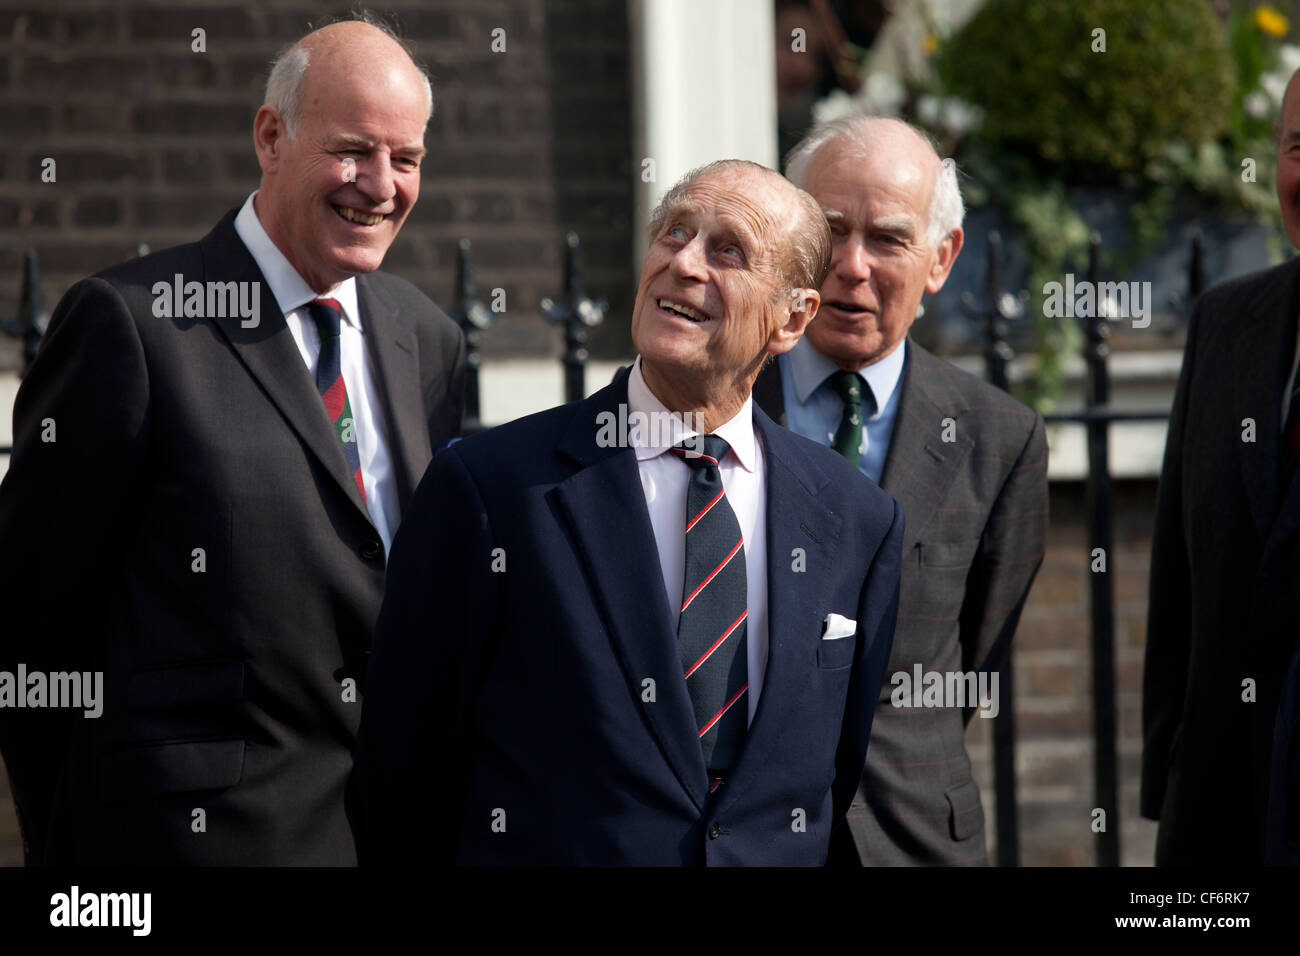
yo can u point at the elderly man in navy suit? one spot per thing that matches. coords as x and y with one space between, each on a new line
649 627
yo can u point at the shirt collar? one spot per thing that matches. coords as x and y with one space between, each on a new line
659 429
809 368
291 291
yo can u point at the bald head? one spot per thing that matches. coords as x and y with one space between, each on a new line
355 48
862 138
808 252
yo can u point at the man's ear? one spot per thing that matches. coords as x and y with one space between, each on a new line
947 255
803 305
268 134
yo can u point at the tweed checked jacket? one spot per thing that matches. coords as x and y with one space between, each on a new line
975 528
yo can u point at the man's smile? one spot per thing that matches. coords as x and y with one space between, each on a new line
683 310
356 216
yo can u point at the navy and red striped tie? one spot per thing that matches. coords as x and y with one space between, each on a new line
711 630
328 316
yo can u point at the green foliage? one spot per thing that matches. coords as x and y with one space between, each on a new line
1166 74
1054 238
1172 108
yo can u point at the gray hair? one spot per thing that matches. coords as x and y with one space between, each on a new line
808 260
284 83
946 208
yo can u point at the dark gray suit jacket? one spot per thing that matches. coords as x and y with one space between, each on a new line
226 679
1225 563
975 514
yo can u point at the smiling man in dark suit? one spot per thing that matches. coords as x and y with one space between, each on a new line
1225 559
967 463
201 498
658 644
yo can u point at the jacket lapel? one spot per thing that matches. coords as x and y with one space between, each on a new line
604 505
921 465
271 356
769 394
1259 360
391 339
795 519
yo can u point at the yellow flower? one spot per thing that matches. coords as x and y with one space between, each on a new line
929 43
1271 21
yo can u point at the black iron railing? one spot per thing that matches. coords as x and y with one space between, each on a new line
995 311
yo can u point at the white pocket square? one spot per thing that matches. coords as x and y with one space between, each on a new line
837 626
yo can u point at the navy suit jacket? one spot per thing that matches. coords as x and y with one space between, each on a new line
525 703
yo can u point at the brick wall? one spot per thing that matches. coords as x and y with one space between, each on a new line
1053 687
153 141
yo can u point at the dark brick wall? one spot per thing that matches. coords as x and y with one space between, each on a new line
153 141
1053 686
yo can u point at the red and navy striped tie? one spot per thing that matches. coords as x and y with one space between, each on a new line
711 630
328 316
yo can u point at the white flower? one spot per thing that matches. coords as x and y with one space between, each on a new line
883 93
927 109
1288 59
1257 104
837 103
960 117
1274 86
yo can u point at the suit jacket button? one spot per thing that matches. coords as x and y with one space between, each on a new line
714 830
371 549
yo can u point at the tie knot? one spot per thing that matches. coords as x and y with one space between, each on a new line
327 314
703 451
852 390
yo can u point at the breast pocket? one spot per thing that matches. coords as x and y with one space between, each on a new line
935 586
836 652
948 556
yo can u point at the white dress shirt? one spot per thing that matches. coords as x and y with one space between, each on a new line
664 478
292 294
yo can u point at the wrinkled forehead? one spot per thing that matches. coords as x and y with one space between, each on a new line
742 201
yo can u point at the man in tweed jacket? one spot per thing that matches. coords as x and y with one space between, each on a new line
967 463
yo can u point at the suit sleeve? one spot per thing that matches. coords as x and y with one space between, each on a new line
1164 674
447 406
877 615
1009 555
80 424
426 662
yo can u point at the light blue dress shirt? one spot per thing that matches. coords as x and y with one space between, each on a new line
813 410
